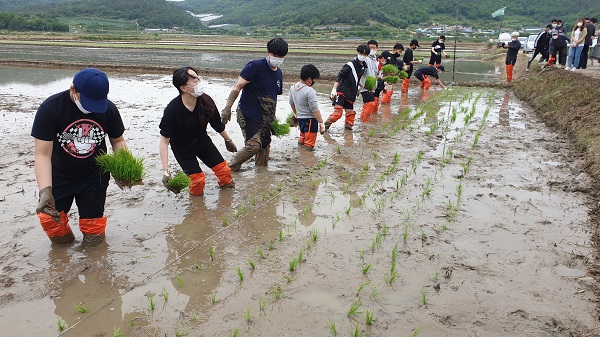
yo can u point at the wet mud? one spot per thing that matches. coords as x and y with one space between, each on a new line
456 213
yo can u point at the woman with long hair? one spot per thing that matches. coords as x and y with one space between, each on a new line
577 42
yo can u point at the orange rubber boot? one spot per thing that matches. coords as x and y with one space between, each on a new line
386 97
223 173
426 83
302 137
59 233
350 116
337 114
509 72
405 85
93 230
369 108
197 183
310 140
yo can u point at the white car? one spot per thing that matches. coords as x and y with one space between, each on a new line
529 44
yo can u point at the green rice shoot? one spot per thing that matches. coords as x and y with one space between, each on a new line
179 181
280 129
403 74
370 82
392 79
389 69
123 166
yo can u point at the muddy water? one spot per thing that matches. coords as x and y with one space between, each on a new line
466 70
464 216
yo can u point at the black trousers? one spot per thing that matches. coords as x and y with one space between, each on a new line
89 195
584 56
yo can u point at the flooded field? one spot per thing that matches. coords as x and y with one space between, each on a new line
466 70
449 213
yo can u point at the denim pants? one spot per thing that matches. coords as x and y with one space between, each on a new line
575 56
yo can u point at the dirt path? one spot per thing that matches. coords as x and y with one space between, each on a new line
463 218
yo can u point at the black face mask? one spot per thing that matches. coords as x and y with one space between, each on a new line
312 82
396 54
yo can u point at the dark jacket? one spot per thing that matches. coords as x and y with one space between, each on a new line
542 41
559 42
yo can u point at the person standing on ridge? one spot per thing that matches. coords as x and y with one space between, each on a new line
511 56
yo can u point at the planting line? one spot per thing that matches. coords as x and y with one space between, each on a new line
175 259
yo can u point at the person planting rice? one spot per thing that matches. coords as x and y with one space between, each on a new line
422 74
261 81
70 130
183 126
345 89
305 105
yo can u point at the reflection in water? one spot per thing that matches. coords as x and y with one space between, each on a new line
503 115
90 285
386 112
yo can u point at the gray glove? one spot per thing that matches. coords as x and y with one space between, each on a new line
230 146
226 115
46 204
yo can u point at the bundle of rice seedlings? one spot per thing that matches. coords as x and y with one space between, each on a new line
370 82
123 166
292 120
178 182
403 74
280 129
391 79
389 70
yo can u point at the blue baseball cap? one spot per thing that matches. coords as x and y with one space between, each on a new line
92 86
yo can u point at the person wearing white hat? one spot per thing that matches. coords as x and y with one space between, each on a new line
511 56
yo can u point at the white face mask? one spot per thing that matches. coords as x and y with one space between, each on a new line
373 52
275 62
579 24
555 37
554 25
361 58
79 106
514 39
198 90
441 41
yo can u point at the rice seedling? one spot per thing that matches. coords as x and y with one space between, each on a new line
179 181
314 234
277 292
240 274
271 244
295 199
362 255
165 294
116 332
253 200
332 327
396 158
369 317
301 255
394 253
251 264
389 279
459 191
347 211
354 307
417 330
213 297
151 302
80 308
195 315
260 253
248 315
236 332
309 243
224 222
261 305
366 268
61 324
279 129
362 287
211 252
281 235
179 280
179 332
375 155
355 332
264 196
293 264
374 292
287 279
436 275
423 235
279 187
423 296
123 166
339 150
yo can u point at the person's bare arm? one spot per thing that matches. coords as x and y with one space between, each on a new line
43 163
163 151
118 143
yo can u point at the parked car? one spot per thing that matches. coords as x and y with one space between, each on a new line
529 44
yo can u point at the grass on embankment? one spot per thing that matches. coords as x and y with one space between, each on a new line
570 102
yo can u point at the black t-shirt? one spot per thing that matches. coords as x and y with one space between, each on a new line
187 129
408 58
438 47
77 137
429 70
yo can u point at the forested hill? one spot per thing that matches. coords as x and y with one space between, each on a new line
394 13
397 13
147 13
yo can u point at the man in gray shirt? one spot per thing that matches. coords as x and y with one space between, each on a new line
304 104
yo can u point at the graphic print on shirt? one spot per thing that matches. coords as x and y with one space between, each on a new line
81 138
